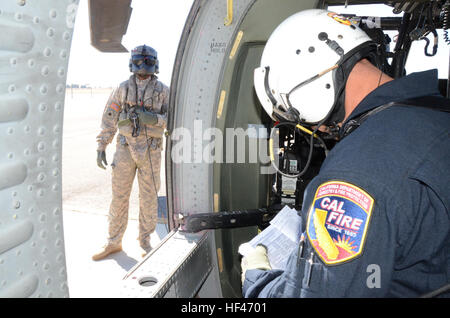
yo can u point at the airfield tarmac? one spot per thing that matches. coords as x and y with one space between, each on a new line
86 199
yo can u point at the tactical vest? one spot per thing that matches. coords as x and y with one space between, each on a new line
152 100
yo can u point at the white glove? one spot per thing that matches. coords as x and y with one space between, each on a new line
256 259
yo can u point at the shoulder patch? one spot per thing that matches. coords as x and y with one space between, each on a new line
338 221
115 107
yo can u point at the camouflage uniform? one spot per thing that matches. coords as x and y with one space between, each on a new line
133 153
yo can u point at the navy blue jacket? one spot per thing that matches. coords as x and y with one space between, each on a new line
377 216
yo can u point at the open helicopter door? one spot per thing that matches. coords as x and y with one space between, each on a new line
35 40
212 81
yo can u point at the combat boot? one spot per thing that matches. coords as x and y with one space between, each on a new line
146 251
107 250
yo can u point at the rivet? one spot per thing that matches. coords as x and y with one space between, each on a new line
47 52
63 54
41 162
45 70
56 211
44 89
41 177
41 146
55 143
60 88
42 107
66 36
50 32
41 131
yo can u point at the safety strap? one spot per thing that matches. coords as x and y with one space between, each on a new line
430 102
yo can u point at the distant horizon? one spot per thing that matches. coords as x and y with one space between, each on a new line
85 86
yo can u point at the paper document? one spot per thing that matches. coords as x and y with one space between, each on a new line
280 238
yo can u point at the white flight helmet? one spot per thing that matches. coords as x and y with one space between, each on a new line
299 64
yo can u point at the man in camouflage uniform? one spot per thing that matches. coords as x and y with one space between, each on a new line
138 108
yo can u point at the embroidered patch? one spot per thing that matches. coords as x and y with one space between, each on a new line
338 221
114 107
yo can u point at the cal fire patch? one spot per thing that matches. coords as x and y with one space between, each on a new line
338 221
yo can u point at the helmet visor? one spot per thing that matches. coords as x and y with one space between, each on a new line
138 60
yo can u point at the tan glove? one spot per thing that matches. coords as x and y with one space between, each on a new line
256 259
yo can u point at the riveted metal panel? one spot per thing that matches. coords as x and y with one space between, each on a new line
35 39
197 100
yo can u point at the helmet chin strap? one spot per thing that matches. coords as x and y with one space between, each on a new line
143 76
366 50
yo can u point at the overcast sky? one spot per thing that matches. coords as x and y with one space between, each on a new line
159 23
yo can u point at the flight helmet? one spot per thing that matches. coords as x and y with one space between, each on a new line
305 65
144 60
